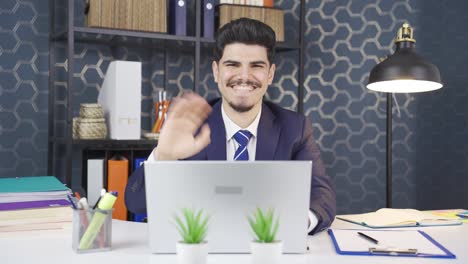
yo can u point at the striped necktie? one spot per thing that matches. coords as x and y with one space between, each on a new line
242 137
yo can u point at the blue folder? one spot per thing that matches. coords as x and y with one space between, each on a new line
143 217
178 17
208 18
392 252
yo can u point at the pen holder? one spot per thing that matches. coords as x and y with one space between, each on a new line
92 230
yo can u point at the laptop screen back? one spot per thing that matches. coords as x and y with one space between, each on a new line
228 192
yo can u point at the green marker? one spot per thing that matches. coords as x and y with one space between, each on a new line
106 203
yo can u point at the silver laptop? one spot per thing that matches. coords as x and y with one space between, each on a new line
228 192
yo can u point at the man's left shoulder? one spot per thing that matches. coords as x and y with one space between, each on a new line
285 115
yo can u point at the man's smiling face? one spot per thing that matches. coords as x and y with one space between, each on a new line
243 74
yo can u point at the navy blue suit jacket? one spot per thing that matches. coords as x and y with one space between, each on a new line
281 135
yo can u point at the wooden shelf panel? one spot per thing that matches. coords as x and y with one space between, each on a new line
110 143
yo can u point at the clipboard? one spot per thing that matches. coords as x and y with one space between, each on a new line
394 243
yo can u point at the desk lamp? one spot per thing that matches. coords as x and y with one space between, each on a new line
403 72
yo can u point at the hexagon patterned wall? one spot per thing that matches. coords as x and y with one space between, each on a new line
344 40
23 87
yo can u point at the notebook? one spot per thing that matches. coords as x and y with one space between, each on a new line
30 189
31 184
228 192
390 217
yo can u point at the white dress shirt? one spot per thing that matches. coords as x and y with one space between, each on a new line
232 128
232 145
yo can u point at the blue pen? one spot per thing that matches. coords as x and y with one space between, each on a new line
463 214
71 201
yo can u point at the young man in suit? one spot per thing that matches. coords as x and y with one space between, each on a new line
198 130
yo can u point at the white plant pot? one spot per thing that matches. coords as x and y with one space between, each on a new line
192 253
266 252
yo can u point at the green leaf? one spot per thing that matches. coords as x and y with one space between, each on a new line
253 225
181 227
196 227
275 230
263 225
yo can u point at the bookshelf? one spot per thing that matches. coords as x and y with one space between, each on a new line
65 32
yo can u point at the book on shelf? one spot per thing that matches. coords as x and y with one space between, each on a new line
391 217
178 17
208 18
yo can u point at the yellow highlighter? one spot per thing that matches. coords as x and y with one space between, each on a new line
106 203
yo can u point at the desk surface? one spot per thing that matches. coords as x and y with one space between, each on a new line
129 245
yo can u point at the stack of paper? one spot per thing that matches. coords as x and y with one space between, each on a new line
33 203
35 219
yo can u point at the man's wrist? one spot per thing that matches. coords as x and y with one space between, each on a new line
158 155
313 220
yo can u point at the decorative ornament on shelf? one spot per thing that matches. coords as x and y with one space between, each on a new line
91 123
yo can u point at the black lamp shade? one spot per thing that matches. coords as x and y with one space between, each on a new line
404 72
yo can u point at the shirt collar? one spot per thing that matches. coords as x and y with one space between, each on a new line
232 128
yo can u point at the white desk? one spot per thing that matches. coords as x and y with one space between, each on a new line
130 246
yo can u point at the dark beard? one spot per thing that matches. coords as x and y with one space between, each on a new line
254 83
240 108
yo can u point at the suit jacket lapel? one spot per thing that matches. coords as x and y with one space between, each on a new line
267 135
216 150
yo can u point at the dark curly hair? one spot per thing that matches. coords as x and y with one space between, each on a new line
246 31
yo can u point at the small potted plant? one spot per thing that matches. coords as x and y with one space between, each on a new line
192 227
264 248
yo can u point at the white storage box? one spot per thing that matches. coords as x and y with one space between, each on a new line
120 97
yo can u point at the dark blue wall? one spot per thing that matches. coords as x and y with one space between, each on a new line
344 40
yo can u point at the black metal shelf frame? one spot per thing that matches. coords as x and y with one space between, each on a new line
136 38
77 34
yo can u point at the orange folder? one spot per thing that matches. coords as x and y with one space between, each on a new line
117 176
268 3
